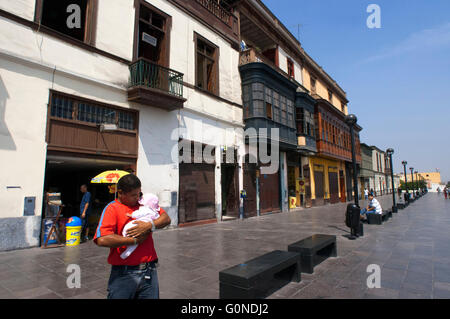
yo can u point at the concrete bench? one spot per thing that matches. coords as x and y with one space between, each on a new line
378 219
261 276
314 250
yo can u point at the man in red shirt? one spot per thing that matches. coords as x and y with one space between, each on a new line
134 277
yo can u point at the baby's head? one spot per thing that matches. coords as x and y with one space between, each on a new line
150 200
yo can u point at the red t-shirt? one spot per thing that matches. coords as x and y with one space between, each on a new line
113 220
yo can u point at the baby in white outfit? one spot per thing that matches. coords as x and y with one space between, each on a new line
148 211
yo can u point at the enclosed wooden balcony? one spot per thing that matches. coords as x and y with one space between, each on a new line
155 85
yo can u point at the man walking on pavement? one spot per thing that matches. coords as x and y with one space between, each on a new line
85 210
134 277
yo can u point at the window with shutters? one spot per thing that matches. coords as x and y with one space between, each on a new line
73 18
207 66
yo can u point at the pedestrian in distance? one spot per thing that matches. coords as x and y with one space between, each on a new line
366 194
85 211
134 277
446 192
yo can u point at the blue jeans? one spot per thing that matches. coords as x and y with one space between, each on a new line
133 283
364 211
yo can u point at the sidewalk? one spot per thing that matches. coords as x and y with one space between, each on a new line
412 249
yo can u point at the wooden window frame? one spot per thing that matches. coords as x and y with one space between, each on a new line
312 80
90 31
290 68
77 99
216 90
167 31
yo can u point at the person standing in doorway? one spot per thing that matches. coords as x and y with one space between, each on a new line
366 194
85 210
134 277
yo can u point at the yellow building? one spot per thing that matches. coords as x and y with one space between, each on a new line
434 177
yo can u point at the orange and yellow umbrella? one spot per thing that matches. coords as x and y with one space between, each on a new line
109 177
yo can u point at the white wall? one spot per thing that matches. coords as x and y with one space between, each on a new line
282 56
21 8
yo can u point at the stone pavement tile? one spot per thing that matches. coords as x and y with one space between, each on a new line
18 284
51 295
89 295
32 293
350 290
6 294
392 278
316 290
441 272
381 293
411 294
292 288
441 285
69 293
421 265
441 293
395 262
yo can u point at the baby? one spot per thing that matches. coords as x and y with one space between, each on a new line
149 211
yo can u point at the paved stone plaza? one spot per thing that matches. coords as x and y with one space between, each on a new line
412 249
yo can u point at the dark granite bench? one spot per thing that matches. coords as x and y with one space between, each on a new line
261 276
314 250
378 219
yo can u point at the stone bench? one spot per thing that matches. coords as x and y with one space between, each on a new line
378 219
314 250
261 276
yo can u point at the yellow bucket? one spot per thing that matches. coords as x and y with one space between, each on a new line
292 202
73 235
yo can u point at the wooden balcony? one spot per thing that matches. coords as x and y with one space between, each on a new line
214 16
252 56
155 85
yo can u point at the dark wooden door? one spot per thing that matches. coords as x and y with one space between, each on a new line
334 187
230 191
269 192
250 188
342 186
319 188
197 192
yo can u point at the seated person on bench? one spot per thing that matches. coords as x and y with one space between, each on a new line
374 207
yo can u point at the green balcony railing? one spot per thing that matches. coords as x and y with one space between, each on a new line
148 74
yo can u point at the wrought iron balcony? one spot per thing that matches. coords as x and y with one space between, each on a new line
155 85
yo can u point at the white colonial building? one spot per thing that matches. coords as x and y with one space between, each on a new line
93 85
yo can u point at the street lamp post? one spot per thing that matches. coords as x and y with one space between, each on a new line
404 163
412 181
351 121
418 182
390 152
353 211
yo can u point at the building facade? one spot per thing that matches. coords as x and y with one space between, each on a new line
131 85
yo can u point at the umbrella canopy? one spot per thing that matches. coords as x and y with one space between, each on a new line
109 177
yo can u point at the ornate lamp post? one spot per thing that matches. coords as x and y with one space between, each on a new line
390 152
351 120
404 163
418 182
412 181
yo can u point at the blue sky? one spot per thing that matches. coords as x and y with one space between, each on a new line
397 78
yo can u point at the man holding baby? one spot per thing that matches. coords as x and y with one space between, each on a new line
134 277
